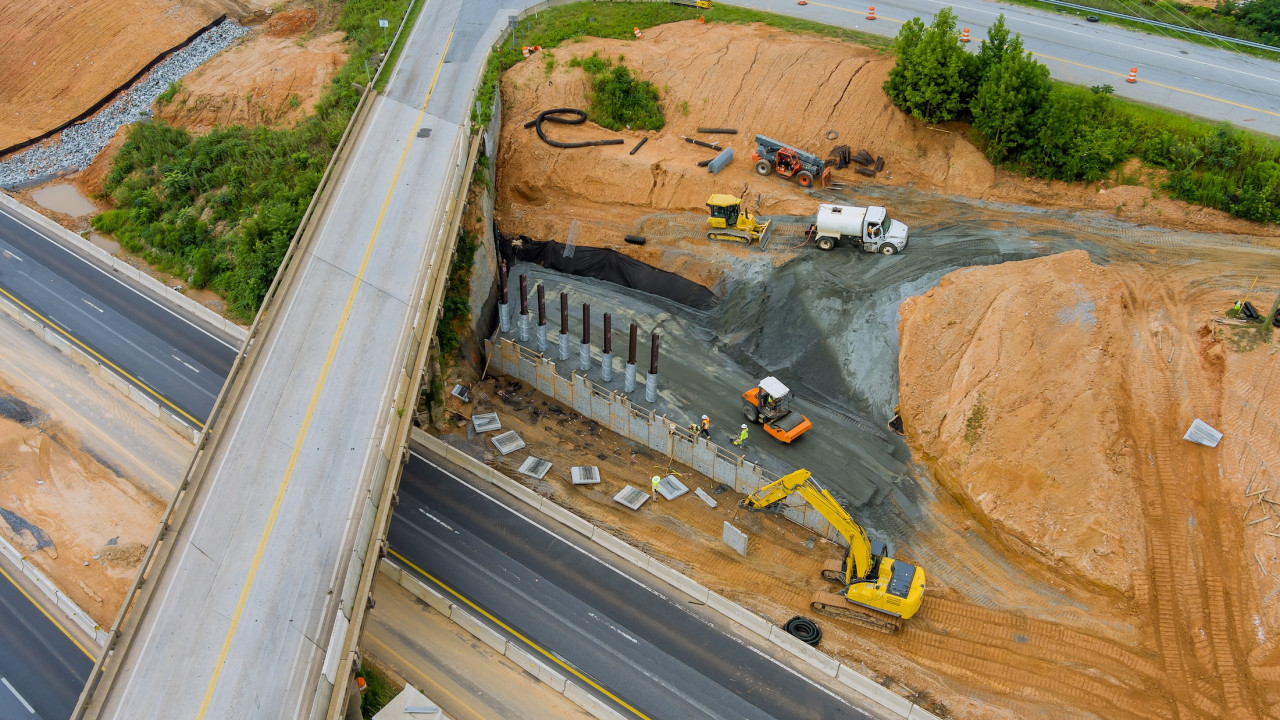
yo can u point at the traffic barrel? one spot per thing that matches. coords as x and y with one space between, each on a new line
964 36
637 33
1133 75
871 13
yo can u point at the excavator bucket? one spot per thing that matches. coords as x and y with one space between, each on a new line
766 232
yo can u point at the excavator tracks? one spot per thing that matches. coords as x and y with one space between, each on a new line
836 606
833 571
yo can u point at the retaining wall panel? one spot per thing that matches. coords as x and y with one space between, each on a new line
739 614
871 689
589 702
536 667
545 378
482 632
679 581
818 659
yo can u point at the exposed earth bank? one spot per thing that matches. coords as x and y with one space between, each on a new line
750 78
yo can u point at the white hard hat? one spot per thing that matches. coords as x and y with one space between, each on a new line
656 478
744 426
704 417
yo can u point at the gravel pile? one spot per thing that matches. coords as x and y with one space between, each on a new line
79 144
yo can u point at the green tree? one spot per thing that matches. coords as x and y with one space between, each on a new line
930 78
994 49
1013 88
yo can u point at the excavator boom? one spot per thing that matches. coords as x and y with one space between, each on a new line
877 591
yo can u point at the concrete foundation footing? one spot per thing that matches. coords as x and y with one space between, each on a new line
564 346
606 367
584 357
630 382
524 328
542 338
504 317
651 388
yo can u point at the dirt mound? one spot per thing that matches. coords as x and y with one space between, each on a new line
1009 388
291 22
268 80
47 78
794 88
62 503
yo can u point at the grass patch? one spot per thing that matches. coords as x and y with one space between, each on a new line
380 690
973 425
394 57
618 98
220 210
169 93
1222 20
455 307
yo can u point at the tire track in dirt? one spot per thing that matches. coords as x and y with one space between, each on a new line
1192 557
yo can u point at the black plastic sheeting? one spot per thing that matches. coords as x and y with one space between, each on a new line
610 266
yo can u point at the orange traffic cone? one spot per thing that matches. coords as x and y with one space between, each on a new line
702 20
1133 75
802 2
871 13
964 36
637 33
525 50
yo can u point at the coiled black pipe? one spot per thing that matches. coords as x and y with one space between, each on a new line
576 117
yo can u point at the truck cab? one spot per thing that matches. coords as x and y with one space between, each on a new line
868 228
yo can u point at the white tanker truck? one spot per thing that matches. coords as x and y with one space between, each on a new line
869 228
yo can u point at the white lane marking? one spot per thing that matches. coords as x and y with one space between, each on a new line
139 293
86 302
19 696
678 604
614 628
446 525
11 256
184 362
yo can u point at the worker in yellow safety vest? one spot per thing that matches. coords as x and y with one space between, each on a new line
742 438
655 482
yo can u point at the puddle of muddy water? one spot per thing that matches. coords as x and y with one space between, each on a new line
65 199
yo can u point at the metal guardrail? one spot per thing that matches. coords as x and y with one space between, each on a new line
1167 26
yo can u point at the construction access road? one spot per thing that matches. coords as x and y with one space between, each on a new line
242 615
1210 82
654 653
174 360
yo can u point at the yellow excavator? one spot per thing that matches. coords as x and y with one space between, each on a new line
731 223
876 590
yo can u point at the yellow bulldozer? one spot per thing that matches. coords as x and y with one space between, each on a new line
731 223
875 590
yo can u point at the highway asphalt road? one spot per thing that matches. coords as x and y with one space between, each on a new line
1210 82
653 652
182 363
41 669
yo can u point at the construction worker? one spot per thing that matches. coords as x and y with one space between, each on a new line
706 427
655 482
1237 306
742 438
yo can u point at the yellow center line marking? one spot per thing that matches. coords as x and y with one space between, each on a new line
315 393
548 655
47 615
94 353
1159 85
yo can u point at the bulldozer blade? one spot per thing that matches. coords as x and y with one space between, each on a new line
765 233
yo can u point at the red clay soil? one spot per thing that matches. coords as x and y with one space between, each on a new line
48 77
745 77
1050 397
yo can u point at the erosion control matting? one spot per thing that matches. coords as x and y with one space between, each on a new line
614 267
